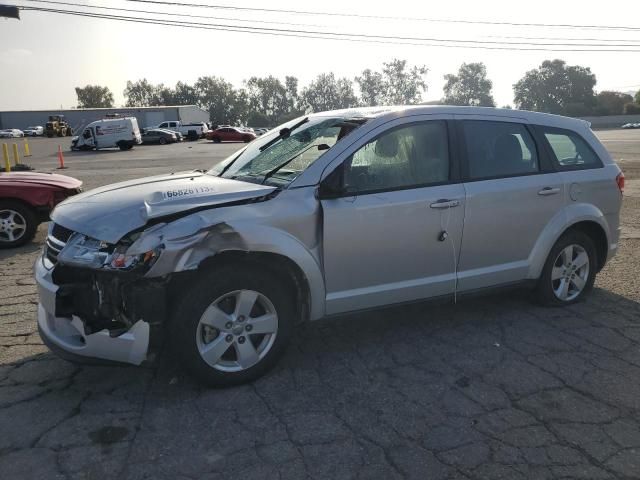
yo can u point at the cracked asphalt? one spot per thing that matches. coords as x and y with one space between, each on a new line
494 387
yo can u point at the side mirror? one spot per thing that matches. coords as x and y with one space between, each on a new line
333 185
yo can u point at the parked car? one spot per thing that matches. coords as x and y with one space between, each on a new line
26 199
122 133
230 134
156 135
260 131
631 125
34 131
199 130
11 133
330 213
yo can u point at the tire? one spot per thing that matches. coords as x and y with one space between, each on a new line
61 133
125 146
14 213
559 267
189 336
162 141
246 139
216 140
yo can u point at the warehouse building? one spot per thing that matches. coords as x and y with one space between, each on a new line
77 118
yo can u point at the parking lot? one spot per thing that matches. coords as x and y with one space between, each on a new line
494 387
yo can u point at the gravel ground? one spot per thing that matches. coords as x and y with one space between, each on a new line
494 387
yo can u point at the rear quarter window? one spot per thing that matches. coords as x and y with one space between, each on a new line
570 150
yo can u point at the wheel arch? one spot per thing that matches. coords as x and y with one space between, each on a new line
582 217
253 246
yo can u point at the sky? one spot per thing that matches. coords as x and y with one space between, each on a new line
44 55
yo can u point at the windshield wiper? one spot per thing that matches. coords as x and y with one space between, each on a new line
273 171
284 133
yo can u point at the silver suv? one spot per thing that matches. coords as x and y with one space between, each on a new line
331 213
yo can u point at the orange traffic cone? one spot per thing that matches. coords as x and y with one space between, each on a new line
60 158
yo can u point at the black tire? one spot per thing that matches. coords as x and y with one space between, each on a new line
162 141
125 146
30 220
545 290
61 133
212 285
247 139
216 140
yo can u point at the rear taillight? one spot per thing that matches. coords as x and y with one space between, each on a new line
620 182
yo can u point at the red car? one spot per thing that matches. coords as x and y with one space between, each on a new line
230 134
26 199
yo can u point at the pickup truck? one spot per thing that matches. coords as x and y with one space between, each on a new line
201 129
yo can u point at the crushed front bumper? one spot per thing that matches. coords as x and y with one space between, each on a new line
66 335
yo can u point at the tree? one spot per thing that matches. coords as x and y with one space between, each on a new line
139 94
268 96
611 103
185 94
469 87
94 96
328 93
373 89
291 85
631 109
397 83
404 85
218 97
554 86
638 97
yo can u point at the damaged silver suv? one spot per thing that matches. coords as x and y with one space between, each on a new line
331 213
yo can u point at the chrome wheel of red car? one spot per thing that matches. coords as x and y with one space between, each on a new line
13 226
18 224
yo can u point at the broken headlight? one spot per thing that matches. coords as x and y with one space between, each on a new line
141 250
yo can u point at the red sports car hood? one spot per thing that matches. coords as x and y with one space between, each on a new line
52 179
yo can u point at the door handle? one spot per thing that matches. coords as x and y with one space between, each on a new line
443 203
549 191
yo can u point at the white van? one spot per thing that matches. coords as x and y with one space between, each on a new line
108 133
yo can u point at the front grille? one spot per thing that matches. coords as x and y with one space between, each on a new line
56 240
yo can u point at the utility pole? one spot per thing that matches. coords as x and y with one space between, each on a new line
9 11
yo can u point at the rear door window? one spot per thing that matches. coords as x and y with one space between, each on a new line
571 151
499 149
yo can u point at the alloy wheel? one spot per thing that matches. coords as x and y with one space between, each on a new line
13 226
237 330
570 272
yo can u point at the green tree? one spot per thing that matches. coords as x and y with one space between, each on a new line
94 96
185 94
611 103
373 89
638 97
218 97
268 96
293 98
139 94
404 85
555 86
469 87
328 93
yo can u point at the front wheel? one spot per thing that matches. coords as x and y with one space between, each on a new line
231 327
162 141
569 272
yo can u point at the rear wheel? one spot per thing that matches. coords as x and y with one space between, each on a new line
162 141
216 140
18 224
233 325
570 270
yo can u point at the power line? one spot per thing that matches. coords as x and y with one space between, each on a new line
382 17
397 40
172 14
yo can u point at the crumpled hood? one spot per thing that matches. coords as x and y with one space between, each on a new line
108 213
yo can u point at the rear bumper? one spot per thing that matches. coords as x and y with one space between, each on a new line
67 335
